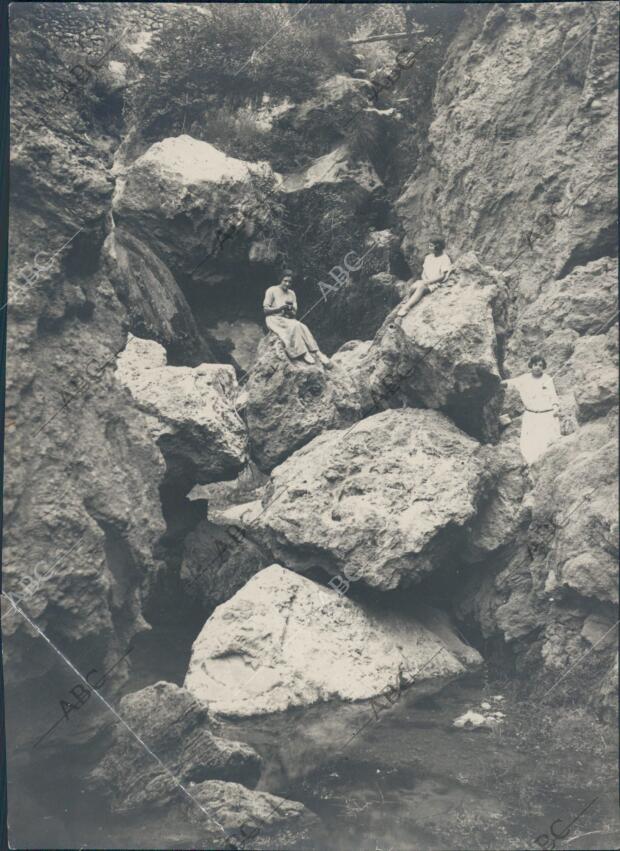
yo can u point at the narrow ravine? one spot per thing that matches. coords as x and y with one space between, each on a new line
292 579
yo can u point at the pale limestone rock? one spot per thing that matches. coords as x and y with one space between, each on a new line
192 417
284 640
381 501
514 138
471 720
594 365
584 302
178 194
252 819
444 353
338 166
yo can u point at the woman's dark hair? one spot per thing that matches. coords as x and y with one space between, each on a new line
537 359
286 273
439 243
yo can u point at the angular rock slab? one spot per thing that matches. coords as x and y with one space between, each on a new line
193 419
285 641
380 502
175 727
444 354
290 402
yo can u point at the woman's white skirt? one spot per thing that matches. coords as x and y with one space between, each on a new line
538 432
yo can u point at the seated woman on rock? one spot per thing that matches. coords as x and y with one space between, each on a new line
435 271
541 420
280 306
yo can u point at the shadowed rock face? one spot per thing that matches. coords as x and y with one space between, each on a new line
217 561
157 307
553 592
175 727
290 402
192 418
381 501
81 499
286 641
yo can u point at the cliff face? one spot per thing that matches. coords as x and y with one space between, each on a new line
516 166
520 166
520 162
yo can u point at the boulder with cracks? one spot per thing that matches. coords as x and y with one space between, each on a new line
446 352
177 728
383 501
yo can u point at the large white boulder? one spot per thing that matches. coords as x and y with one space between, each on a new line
383 501
182 195
284 640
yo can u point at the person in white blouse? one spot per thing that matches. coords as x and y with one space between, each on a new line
435 271
540 426
280 308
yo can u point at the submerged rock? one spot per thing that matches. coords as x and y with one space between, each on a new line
471 720
193 419
382 501
175 727
284 640
252 819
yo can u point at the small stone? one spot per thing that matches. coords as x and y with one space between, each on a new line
473 720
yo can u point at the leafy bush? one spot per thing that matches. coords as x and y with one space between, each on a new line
231 54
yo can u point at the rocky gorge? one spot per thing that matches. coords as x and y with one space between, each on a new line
227 537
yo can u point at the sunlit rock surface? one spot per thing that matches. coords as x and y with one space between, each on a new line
285 641
524 126
193 419
384 500
176 196
446 352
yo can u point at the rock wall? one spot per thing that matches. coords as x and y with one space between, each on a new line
520 167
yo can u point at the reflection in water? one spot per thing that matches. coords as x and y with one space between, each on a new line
395 779
405 778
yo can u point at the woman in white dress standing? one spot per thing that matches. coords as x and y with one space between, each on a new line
540 426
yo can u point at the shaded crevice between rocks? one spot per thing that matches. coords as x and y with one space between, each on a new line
604 245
